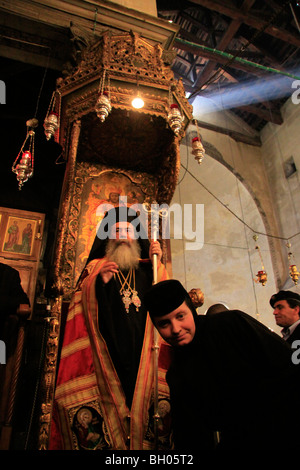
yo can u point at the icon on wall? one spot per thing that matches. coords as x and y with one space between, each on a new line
19 236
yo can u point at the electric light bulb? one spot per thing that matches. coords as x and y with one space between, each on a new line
137 102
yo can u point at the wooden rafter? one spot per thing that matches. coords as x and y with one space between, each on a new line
222 45
228 28
251 20
217 58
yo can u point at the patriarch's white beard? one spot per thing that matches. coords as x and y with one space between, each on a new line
125 254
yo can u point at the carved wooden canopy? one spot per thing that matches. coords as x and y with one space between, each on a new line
135 140
140 144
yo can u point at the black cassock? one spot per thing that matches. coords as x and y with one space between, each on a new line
122 331
237 378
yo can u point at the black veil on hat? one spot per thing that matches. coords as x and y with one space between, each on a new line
114 215
166 296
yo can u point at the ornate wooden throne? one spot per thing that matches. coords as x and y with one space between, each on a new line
130 153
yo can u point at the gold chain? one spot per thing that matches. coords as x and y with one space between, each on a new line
129 292
126 280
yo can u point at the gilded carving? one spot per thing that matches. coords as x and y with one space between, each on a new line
124 54
88 194
134 151
50 364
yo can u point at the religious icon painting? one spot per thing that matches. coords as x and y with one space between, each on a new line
99 194
89 429
19 235
22 246
164 428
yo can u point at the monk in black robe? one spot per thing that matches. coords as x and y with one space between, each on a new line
107 360
123 328
229 379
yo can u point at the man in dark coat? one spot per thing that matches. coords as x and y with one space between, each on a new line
286 305
12 294
228 374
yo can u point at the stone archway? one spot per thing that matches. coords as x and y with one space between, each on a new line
225 268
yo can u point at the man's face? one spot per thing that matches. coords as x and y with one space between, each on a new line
122 232
284 314
122 247
178 327
114 197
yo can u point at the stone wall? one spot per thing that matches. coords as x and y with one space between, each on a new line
281 157
244 191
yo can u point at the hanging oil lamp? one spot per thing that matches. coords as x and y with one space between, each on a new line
24 169
261 275
51 125
52 119
198 149
175 118
294 273
103 105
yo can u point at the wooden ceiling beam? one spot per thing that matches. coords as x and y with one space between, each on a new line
210 66
222 45
217 58
183 60
237 136
274 116
260 47
249 19
197 23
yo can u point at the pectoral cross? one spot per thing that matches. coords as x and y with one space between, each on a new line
126 299
136 300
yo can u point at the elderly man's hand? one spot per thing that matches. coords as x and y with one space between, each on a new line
108 269
155 249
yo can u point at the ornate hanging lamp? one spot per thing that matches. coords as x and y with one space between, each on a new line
52 119
175 119
261 275
293 271
24 169
198 149
103 104
294 274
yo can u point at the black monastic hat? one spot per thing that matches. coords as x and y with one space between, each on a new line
164 297
284 295
111 217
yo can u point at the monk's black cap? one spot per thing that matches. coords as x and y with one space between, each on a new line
164 297
284 295
115 215
111 217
